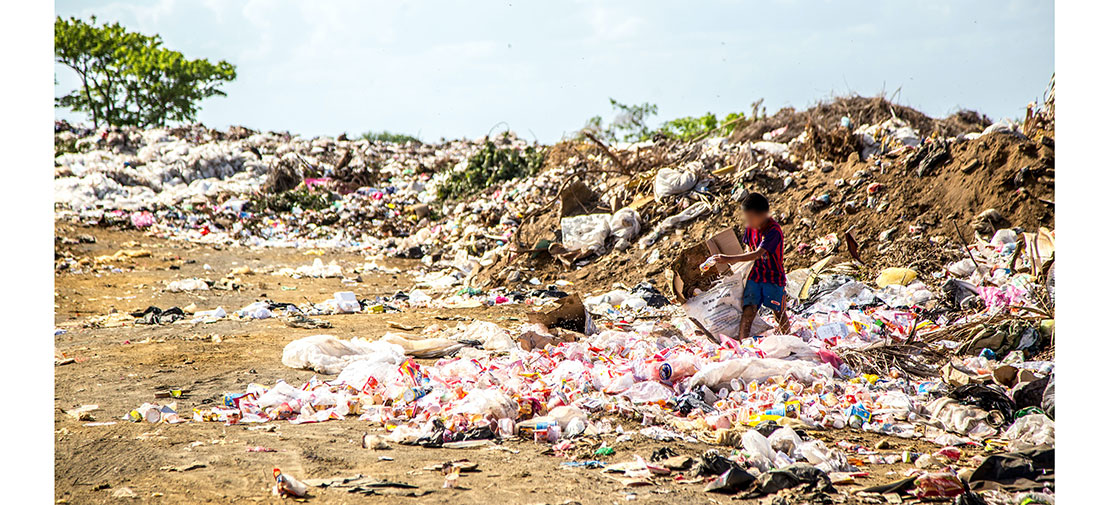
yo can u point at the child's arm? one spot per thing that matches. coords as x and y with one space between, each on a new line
729 259
740 258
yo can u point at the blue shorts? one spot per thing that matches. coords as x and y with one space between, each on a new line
766 294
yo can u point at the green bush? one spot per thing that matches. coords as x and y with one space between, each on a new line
302 197
690 127
386 136
489 166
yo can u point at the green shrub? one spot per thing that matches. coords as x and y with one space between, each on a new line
386 136
302 197
489 166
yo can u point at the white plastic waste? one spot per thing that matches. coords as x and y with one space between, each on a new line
1031 430
625 224
648 392
328 354
419 347
489 402
718 375
193 284
785 440
755 443
784 346
825 458
669 181
962 419
1003 237
346 302
586 232
358 372
492 336
894 295
216 313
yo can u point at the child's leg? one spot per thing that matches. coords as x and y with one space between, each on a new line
784 322
746 319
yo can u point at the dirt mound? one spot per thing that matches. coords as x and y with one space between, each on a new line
861 110
898 217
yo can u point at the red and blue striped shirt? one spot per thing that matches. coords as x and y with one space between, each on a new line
768 268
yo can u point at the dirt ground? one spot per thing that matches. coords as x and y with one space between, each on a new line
120 368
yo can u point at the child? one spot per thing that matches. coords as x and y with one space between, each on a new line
767 282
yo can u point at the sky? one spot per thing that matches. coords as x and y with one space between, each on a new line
542 68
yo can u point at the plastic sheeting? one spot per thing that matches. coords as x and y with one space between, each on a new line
328 354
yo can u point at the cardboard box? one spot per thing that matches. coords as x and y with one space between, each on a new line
717 308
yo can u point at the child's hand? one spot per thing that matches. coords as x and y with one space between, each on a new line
709 263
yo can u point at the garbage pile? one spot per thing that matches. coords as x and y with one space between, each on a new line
913 314
497 208
887 356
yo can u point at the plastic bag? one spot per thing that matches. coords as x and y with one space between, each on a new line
669 181
193 284
625 224
1031 430
357 373
423 347
346 302
899 276
492 336
720 374
586 232
648 392
852 293
783 346
328 354
755 443
895 296
490 403
719 309
785 440
962 419
565 415
821 456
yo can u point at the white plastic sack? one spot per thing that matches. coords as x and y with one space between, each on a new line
346 302
961 419
720 374
669 181
719 309
492 336
785 440
187 285
418 347
488 402
358 372
786 346
328 354
586 232
917 293
625 224
648 392
755 443
1031 430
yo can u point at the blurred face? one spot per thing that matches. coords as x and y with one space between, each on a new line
755 219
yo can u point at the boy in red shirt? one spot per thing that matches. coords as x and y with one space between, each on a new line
767 282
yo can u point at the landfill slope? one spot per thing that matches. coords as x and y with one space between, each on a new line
922 211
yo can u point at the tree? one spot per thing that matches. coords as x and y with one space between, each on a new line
629 125
129 79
